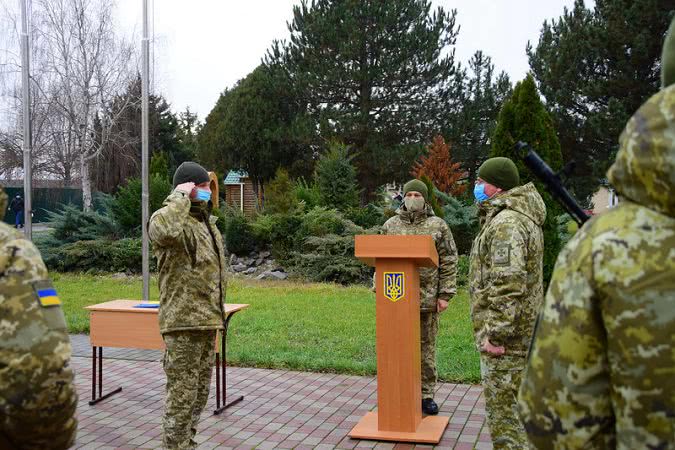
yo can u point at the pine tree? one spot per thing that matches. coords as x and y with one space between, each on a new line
524 118
374 75
438 166
336 178
186 133
159 166
257 126
470 125
595 67
279 195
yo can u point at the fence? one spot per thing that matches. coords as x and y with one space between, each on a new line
45 200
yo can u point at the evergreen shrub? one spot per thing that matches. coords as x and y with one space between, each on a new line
368 216
524 118
121 255
307 194
125 206
236 230
336 179
280 197
462 219
71 224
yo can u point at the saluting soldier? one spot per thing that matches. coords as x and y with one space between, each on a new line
192 283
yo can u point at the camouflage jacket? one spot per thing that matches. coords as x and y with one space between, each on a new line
438 281
192 267
506 272
601 373
37 393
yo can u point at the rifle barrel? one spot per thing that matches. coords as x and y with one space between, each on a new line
554 185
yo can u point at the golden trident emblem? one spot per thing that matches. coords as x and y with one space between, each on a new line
394 285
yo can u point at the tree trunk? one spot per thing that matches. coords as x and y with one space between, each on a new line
86 183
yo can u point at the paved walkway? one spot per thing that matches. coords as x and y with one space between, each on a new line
281 409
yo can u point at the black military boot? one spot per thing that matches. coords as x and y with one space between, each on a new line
429 407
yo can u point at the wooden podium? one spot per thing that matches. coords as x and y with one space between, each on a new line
397 259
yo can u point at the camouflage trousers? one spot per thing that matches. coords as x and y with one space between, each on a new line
188 364
500 388
428 333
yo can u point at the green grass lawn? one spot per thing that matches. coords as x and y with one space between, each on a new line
313 327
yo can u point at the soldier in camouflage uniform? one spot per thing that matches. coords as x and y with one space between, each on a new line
506 286
437 285
601 372
37 394
192 282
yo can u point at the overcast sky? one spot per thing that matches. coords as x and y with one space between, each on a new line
204 46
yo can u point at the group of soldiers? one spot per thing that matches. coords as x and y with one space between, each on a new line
588 364
505 281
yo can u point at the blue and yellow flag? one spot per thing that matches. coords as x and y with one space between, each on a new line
48 297
148 304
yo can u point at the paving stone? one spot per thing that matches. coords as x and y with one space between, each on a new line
281 409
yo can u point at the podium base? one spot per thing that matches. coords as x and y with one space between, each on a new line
429 431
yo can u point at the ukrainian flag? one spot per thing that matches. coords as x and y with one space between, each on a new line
148 304
48 297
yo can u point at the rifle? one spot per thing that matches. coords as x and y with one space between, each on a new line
552 180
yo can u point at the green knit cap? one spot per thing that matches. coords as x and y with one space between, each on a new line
416 186
190 171
668 58
500 172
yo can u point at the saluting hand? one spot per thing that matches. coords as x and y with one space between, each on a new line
187 188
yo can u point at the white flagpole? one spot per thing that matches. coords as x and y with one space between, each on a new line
145 197
25 86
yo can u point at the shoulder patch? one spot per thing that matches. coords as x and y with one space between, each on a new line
502 255
46 293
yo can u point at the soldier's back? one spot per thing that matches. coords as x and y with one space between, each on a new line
37 395
632 254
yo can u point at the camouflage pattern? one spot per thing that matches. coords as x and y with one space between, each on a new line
435 282
192 281
602 367
438 281
500 389
37 394
428 333
506 287
191 267
188 363
506 271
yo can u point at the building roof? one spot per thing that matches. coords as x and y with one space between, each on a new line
235 176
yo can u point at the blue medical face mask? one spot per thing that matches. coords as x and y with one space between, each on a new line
479 193
202 195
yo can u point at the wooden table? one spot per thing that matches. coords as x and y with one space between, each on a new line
119 324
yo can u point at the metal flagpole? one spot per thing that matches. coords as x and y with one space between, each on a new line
145 198
25 86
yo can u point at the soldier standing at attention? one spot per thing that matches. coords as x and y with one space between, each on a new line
191 270
506 287
601 372
37 394
437 285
